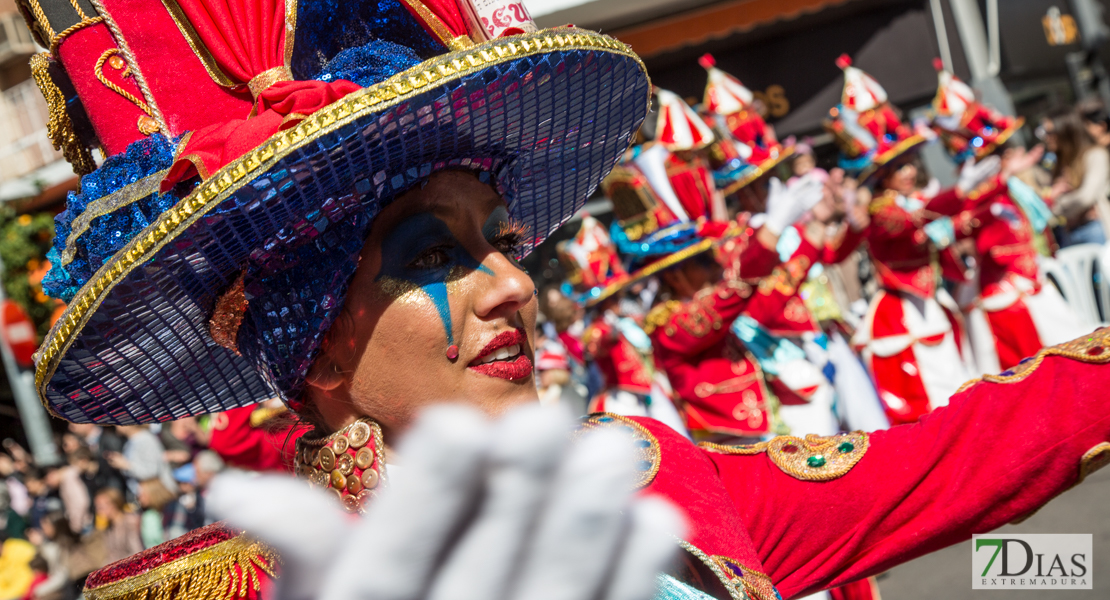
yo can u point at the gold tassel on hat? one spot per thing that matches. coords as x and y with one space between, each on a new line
59 128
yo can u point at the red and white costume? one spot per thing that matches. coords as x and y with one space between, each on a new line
1015 312
727 97
912 338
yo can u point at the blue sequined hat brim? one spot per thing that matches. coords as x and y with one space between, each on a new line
549 113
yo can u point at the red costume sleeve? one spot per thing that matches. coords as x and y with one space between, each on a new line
246 446
745 257
838 249
992 456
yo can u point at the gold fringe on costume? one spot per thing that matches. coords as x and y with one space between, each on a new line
229 569
59 128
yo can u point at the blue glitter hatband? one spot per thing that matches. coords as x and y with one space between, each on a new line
547 114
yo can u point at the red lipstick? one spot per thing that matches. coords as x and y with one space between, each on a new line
512 368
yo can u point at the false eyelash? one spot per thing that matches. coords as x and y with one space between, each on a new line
513 229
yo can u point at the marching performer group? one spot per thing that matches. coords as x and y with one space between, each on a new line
325 201
735 325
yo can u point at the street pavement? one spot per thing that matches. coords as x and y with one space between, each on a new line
946 574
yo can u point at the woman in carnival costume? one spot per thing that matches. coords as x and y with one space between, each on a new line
351 248
912 339
613 340
1014 312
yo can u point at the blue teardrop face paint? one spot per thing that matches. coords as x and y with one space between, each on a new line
420 259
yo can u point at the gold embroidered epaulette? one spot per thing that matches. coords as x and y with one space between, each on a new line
660 315
647 447
215 562
260 416
815 458
1091 348
881 202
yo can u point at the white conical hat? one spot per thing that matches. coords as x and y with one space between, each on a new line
724 94
861 91
679 127
953 96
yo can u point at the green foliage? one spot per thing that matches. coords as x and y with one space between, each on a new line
24 242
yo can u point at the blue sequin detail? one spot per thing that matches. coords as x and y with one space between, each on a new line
665 241
111 232
369 64
326 27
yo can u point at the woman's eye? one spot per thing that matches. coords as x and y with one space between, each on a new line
508 245
432 258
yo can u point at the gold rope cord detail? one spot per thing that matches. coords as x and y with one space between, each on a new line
133 67
381 96
58 127
1091 348
58 39
208 573
734 591
99 71
41 20
108 204
194 41
77 7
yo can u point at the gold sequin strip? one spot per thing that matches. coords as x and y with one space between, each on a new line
108 204
399 88
223 570
648 456
815 458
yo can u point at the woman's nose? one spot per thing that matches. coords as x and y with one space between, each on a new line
504 292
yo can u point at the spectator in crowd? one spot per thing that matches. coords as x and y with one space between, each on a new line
143 458
74 495
158 505
123 535
1097 121
1081 180
57 547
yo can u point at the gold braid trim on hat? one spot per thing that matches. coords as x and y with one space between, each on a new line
223 570
59 128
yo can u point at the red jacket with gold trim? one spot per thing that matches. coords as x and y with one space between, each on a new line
1003 235
620 363
901 250
721 388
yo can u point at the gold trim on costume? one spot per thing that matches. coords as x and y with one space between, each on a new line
58 126
647 449
1091 348
290 30
199 48
61 36
108 204
229 179
133 66
207 573
445 36
259 83
815 458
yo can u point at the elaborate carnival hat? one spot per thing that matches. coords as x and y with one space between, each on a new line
725 97
652 229
251 144
868 130
968 128
591 262
678 127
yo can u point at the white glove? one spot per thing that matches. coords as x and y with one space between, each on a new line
974 173
509 509
785 205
